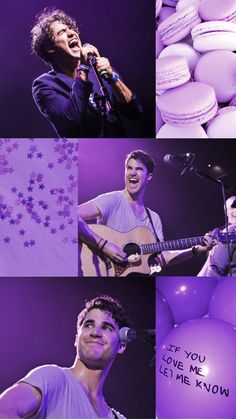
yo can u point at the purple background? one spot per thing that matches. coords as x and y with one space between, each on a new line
187 205
38 326
38 207
123 31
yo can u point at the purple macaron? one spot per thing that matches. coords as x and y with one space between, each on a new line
171 72
178 25
218 69
217 10
191 104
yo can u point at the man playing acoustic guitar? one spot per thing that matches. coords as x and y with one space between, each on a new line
125 210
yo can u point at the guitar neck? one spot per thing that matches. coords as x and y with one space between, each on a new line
177 244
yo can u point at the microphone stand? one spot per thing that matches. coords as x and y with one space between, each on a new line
189 167
102 100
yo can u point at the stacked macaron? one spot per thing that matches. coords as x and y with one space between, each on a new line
178 25
203 33
171 72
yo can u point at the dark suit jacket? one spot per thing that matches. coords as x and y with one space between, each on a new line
65 103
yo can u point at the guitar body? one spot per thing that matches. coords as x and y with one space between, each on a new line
93 263
141 247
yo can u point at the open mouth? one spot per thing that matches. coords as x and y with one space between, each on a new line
74 43
133 180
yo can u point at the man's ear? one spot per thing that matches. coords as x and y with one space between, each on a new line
76 340
149 177
122 348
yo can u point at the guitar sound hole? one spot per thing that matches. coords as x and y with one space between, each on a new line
133 251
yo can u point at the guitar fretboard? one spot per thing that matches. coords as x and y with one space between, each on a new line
172 245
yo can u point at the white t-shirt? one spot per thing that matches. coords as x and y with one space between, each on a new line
63 396
117 213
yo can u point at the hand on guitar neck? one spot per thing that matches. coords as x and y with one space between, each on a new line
209 242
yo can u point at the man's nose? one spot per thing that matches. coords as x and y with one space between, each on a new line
96 331
70 33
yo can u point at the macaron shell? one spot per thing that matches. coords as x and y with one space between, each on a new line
184 50
191 104
178 25
217 10
215 41
171 3
223 125
165 13
185 3
169 131
213 26
233 102
171 72
215 35
218 69
159 44
158 7
159 120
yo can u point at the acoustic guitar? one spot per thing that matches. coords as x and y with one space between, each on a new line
141 248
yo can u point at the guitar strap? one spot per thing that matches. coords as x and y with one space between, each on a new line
150 219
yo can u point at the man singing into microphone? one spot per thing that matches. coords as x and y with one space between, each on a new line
82 96
50 391
125 210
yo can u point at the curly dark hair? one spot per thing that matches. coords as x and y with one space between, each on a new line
142 156
42 35
105 303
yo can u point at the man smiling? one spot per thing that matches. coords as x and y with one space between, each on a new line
78 101
54 392
125 210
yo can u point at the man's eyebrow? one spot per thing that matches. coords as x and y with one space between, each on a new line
61 30
89 321
136 167
109 324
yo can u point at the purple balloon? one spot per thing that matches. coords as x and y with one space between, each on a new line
164 318
223 301
188 297
195 374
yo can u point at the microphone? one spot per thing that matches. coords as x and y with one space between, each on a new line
91 57
92 62
127 334
186 159
183 158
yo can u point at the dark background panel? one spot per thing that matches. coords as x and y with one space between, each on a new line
188 205
38 326
123 31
